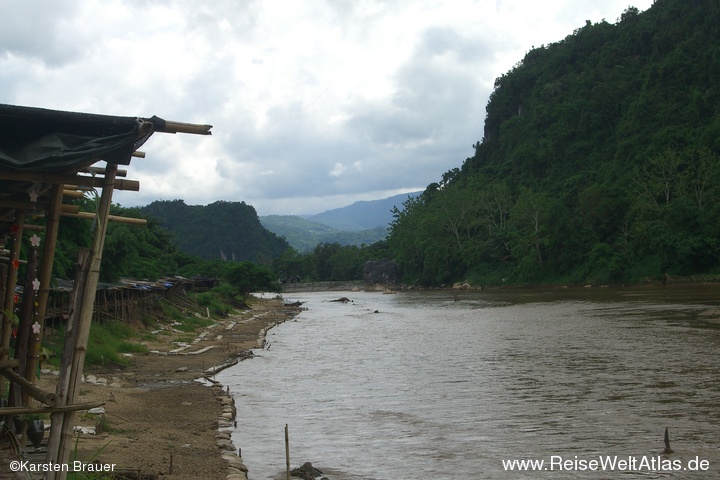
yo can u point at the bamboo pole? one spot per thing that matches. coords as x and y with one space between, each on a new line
73 193
58 419
10 283
102 171
180 127
112 218
58 409
69 209
22 340
287 453
52 227
80 180
86 311
11 363
48 398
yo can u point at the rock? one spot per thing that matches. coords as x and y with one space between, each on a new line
342 300
306 472
181 369
382 271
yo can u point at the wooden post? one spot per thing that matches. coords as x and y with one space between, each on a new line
60 452
9 302
52 227
287 453
24 330
58 418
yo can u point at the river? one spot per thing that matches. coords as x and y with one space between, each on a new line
420 385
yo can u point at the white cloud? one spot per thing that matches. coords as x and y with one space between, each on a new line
337 170
315 104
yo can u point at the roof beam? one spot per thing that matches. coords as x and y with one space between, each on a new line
57 178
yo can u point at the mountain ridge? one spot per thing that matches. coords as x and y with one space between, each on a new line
362 222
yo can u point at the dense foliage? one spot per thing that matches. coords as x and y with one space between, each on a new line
599 162
221 230
328 262
149 253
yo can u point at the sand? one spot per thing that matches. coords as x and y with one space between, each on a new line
159 420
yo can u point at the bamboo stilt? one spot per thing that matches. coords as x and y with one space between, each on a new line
91 273
10 283
52 227
24 330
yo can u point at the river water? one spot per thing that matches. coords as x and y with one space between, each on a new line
418 385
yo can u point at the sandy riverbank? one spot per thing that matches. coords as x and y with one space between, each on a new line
160 421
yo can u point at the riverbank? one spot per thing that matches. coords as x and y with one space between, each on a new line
159 420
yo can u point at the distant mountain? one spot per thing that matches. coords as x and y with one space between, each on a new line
362 215
304 235
221 230
363 222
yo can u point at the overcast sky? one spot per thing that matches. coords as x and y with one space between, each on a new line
314 104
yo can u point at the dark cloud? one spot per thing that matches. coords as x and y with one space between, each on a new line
314 104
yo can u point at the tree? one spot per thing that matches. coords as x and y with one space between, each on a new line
530 217
248 277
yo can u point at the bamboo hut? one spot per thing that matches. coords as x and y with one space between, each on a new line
46 158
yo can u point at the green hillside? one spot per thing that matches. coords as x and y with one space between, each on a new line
598 163
221 230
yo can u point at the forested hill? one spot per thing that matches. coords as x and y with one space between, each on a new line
221 230
598 163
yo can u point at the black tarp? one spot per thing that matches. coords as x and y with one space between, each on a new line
39 139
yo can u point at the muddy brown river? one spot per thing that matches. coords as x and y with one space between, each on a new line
506 384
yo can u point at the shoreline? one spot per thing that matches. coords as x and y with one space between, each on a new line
165 416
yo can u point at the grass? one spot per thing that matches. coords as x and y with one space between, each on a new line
110 339
190 324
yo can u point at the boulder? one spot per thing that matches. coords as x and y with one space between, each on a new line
381 271
306 472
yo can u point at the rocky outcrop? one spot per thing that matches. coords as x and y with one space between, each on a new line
382 272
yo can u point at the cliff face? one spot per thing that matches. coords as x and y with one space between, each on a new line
599 162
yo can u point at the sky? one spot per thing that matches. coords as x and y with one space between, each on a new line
315 104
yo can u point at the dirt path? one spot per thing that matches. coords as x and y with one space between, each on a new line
156 410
